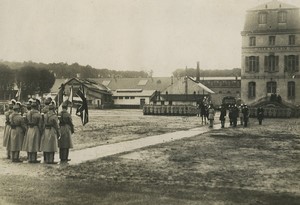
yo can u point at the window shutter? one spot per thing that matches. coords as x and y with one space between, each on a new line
266 63
276 63
257 63
247 64
285 63
297 62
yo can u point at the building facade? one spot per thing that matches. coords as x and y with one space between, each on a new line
270 53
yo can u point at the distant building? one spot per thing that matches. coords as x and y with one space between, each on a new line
270 53
135 92
186 91
98 96
224 87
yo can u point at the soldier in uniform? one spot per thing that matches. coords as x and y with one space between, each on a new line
223 115
18 130
246 115
50 135
7 128
235 115
32 141
260 115
241 115
211 115
66 129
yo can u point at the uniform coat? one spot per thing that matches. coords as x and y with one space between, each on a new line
33 135
51 133
18 129
7 127
66 129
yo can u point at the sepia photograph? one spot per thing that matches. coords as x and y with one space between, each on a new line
149 102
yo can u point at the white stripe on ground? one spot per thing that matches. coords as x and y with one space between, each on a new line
80 156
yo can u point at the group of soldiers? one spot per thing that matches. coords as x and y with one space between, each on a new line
36 130
241 112
234 113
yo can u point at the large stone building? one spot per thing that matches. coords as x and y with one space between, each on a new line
270 53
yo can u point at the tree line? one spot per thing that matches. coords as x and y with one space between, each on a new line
29 81
64 70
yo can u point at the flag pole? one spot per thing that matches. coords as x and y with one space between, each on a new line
71 98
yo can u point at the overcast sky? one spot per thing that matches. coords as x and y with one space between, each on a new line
161 35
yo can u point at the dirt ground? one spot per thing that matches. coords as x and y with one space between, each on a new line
254 165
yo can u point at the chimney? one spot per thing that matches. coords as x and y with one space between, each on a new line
198 73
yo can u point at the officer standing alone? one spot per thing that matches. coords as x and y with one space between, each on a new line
66 129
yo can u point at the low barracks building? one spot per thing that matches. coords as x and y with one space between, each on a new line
270 53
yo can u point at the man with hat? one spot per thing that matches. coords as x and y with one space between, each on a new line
32 141
50 135
7 128
18 130
66 129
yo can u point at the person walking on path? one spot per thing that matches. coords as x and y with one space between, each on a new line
18 130
33 137
7 128
211 115
50 136
223 115
66 129
260 115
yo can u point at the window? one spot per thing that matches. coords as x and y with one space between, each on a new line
120 97
252 64
271 87
271 40
252 41
115 97
291 89
282 17
127 97
251 89
292 39
271 63
291 63
262 18
131 97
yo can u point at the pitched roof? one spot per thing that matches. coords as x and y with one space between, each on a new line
180 87
273 5
154 83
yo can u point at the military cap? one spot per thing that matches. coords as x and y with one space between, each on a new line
13 101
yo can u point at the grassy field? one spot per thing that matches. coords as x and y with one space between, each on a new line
254 165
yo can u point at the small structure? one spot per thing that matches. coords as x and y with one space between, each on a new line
132 98
98 96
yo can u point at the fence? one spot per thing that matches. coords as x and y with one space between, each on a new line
179 110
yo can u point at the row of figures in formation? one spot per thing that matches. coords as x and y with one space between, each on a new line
234 113
37 130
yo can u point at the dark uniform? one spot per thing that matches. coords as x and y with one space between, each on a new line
246 115
260 115
234 115
66 129
223 115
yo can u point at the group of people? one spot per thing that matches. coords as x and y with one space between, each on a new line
37 130
234 113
